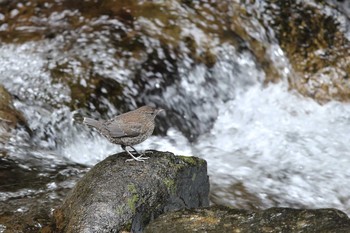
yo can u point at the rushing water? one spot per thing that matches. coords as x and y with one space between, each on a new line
285 149
265 145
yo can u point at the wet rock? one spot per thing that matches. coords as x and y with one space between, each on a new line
317 48
312 36
224 219
29 192
116 195
9 116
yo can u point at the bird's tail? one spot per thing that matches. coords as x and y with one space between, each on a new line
92 122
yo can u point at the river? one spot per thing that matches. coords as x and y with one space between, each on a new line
266 143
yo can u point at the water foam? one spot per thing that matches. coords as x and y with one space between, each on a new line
285 149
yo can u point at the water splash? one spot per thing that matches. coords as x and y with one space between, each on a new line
285 149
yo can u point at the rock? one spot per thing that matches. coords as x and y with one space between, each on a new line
10 117
29 191
314 42
116 195
225 219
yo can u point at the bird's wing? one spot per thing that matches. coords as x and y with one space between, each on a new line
118 131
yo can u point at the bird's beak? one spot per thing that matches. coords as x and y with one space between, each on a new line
159 110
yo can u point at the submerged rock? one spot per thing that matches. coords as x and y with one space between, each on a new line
10 117
312 36
224 219
116 195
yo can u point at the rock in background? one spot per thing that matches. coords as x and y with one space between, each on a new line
10 117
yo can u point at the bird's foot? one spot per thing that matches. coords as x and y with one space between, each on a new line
139 158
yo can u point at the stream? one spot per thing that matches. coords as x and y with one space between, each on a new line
267 144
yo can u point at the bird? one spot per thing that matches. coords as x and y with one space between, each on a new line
128 129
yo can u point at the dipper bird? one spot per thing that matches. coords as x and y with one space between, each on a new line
128 129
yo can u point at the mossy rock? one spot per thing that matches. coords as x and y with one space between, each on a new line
117 195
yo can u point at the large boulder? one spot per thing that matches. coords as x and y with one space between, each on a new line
225 219
116 195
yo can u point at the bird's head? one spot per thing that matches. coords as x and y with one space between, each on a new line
148 110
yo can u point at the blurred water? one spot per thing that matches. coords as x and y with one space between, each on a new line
285 149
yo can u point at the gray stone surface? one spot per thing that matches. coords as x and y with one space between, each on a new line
279 220
116 195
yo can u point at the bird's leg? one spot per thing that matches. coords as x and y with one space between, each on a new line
133 157
135 150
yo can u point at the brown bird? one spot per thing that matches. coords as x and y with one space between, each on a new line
128 129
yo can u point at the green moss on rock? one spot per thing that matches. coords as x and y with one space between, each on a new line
191 160
134 198
170 184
